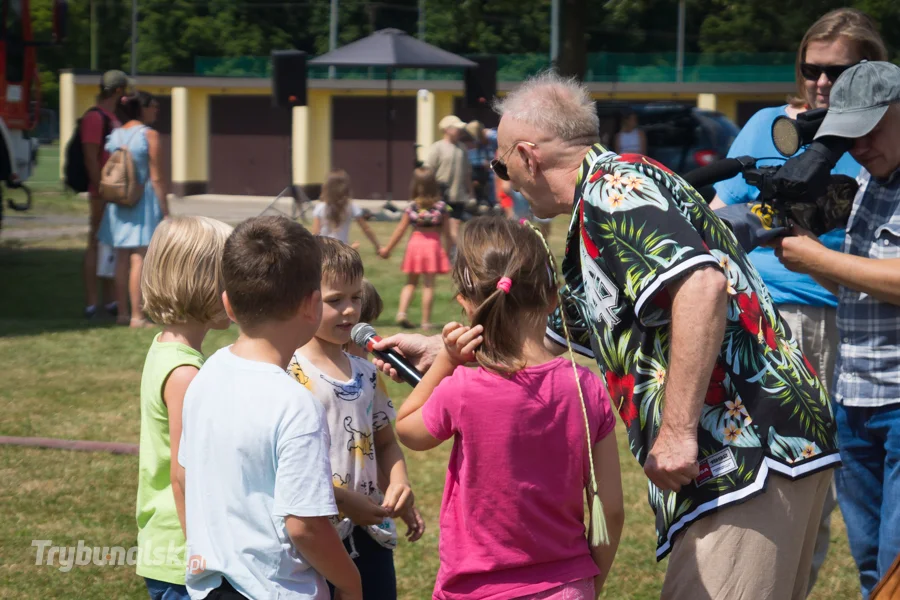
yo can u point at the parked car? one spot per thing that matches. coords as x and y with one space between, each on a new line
680 136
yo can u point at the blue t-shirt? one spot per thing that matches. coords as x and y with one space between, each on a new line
755 140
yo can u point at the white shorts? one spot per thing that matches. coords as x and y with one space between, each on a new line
106 261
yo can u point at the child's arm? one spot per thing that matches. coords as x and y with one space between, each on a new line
359 508
606 467
398 495
395 237
364 225
445 235
173 397
459 348
316 226
317 540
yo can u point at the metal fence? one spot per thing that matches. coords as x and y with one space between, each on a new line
602 67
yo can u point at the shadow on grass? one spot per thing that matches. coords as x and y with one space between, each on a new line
41 290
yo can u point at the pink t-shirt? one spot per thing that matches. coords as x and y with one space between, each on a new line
512 516
92 132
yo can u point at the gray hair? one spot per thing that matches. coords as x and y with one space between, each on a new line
549 102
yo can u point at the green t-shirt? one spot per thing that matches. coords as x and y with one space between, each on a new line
160 538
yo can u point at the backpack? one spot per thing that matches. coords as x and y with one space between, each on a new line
75 172
119 181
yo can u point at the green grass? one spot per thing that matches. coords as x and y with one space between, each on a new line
62 378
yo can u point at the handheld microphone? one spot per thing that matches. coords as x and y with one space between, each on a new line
364 335
717 171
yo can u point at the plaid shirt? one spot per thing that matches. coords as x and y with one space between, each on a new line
868 363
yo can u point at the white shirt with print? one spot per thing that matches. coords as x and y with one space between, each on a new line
354 410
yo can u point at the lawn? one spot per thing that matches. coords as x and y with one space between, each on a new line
63 378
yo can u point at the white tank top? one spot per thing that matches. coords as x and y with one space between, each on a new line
630 142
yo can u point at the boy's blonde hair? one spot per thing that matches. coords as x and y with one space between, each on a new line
182 275
340 262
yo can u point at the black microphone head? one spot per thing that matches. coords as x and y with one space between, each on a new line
361 333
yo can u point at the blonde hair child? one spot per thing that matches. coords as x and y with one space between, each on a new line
335 211
531 432
182 289
425 255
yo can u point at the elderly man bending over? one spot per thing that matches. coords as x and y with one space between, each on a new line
732 427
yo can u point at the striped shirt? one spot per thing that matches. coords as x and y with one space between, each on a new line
868 363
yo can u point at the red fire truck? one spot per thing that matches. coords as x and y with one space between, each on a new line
20 93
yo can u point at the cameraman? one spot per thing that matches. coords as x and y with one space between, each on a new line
865 106
836 41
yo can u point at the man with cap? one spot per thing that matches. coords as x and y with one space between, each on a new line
482 150
96 124
450 162
865 276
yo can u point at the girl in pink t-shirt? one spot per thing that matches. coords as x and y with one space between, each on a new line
512 516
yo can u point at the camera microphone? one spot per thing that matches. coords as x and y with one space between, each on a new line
364 335
720 170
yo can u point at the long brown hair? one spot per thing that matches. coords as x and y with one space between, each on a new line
491 248
336 196
855 25
423 188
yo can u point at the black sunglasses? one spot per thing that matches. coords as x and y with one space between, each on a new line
812 72
499 167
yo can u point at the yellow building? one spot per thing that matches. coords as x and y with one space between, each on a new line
222 135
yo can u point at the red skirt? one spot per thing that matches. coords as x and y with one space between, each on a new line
424 254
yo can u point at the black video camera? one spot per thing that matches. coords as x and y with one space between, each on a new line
801 191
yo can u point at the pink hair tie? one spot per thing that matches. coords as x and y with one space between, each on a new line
504 284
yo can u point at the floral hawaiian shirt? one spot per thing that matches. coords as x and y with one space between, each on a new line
637 227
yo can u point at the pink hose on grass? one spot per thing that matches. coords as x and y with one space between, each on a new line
78 445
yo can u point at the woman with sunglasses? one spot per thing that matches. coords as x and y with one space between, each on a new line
835 42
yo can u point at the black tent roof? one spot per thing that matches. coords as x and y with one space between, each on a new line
392 48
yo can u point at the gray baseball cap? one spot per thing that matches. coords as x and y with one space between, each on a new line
115 79
859 98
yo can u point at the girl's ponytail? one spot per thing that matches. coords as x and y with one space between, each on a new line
598 532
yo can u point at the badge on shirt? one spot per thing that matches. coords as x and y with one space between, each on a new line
716 465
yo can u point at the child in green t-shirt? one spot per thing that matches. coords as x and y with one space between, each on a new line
182 291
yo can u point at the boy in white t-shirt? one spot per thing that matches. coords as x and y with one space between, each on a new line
254 444
359 414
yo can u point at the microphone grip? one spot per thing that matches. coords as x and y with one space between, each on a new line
406 372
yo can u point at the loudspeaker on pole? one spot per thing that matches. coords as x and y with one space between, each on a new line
481 82
288 78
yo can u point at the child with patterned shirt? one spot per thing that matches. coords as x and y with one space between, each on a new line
359 416
371 307
425 256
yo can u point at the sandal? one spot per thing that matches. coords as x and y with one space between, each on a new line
403 322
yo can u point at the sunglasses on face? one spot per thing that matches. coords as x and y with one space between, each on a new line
812 72
498 166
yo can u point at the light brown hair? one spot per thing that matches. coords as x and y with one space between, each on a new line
423 188
849 23
491 248
181 281
372 305
340 262
270 266
336 196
